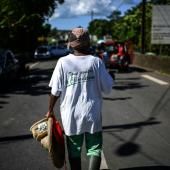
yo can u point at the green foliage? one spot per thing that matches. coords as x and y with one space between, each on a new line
99 27
129 26
115 15
22 21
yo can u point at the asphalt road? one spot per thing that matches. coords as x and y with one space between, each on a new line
135 121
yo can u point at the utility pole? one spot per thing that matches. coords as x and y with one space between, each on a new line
143 25
92 14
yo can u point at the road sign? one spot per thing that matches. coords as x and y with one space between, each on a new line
160 24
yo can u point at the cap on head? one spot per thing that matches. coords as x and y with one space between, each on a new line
79 38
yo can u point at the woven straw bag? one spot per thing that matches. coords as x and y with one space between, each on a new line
49 133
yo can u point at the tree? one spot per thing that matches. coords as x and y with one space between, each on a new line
115 15
22 21
128 26
99 27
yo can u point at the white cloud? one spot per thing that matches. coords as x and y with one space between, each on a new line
73 8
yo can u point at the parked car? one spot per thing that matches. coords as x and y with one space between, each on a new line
58 51
42 52
50 52
9 65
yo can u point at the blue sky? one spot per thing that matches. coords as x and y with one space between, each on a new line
75 13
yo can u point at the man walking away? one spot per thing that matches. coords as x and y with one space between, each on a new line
79 79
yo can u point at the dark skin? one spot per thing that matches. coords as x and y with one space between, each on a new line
52 101
77 53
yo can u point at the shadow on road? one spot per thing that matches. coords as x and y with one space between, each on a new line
132 125
35 83
137 69
125 83
148 168
129 147
8 139
118 98
128 85
2 103
131 69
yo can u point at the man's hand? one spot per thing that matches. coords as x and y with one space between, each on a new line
49 114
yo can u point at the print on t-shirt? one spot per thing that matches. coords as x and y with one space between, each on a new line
79 77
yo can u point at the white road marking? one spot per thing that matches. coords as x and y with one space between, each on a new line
154 79
33 65
103 162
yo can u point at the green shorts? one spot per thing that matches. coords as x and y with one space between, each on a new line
93 143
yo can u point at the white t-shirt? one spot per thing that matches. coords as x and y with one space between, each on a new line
80 81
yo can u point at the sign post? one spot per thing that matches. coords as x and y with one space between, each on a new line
160 24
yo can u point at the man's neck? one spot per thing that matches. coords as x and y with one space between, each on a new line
77 53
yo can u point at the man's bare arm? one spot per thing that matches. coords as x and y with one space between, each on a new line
52 101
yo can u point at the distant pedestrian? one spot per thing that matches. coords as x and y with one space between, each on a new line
79 80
